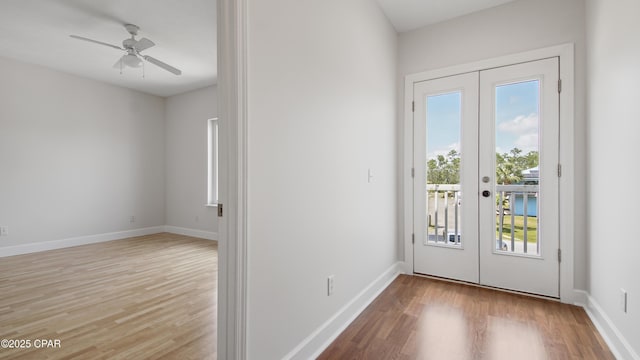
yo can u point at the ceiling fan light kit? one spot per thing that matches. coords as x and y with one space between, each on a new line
132 61
133 48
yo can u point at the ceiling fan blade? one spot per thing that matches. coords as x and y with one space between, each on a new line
159 63
96 41
119 64
143 44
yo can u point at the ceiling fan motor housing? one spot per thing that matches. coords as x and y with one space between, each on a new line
128 43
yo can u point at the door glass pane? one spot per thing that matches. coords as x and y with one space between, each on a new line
444 196
517 120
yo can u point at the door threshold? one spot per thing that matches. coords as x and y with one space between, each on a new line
515 292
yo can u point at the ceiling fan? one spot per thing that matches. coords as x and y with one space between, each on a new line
133 57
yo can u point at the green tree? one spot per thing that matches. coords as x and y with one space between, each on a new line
509 166
444 169
531 159
507 169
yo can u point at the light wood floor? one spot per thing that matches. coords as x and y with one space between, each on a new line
419 318
148 297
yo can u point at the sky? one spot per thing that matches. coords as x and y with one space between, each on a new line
517 109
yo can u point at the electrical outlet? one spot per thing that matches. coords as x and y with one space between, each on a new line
330 285
4 231
623 300
132 219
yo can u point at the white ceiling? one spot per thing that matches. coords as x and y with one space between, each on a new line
37 31
408 15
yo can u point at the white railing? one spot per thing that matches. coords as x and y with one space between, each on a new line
515 194
441 196
444 203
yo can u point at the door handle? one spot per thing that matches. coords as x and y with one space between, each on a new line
486 193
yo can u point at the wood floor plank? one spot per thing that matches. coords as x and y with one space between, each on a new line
149 297
420 318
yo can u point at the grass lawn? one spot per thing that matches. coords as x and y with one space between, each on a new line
532 228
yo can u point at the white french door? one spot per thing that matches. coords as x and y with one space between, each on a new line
446 121
486 185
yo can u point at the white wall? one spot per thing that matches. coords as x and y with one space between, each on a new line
186 159
321 112
511 28
77 157
613 115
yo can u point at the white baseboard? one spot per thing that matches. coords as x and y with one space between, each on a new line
578 298
405 267
93 239
617 343
76 241
322 337
209 235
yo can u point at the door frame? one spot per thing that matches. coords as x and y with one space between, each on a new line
232 230
567 118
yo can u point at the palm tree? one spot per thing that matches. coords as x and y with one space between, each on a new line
507 172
